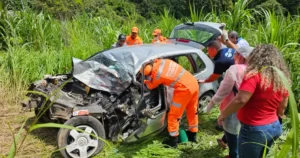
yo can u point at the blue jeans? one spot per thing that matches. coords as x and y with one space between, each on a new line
232 141
251 136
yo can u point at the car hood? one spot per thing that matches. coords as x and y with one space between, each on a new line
103 74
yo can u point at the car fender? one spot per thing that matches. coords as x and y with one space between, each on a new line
208 87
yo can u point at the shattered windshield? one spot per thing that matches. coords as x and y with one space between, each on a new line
102 73
112 65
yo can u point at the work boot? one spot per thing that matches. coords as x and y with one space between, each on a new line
191 136
172 141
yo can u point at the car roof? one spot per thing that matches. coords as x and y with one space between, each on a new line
132 57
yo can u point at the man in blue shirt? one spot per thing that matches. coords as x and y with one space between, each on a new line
222 57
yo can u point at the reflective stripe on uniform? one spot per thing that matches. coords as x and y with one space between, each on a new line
173 133
161 66
193 126
178 78
172 70
176 104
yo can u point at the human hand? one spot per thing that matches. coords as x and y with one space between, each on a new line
225 35
201 81
221 118
209 107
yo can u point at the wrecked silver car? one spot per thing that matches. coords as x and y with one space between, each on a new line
104 95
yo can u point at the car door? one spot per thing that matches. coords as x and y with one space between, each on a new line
199 65
196 34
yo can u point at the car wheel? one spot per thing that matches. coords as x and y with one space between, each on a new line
204 99
75 144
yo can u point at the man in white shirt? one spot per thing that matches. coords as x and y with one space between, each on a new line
233 40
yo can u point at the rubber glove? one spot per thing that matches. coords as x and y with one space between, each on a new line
209 106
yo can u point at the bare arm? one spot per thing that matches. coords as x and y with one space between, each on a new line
212 78
239 101
282 106
231 45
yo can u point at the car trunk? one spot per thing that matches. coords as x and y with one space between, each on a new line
196 34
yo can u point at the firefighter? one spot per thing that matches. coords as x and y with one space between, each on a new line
133 38
158 37
186 89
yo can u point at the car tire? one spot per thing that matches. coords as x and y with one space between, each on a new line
204 99
74 146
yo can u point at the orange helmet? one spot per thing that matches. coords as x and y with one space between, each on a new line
156 32
147 70
134 29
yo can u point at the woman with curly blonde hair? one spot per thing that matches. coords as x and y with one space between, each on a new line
260 101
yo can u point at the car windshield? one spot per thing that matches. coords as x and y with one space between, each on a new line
112 65
196 35
102 73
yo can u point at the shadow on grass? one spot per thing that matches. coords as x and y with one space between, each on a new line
211 152
131 150
47 135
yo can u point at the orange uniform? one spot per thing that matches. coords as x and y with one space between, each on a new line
186 90
160 39
136 41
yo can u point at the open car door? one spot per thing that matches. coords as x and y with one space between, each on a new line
196 34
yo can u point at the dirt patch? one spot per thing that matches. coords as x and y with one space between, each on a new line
39 143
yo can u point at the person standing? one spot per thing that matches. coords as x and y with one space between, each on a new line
185 97
226 92
120 42
223 58
233 40
133 38
261 98
158 37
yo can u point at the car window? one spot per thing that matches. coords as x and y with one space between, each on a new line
200 64
199 36
185 63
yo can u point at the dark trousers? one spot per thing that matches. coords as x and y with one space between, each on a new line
232 141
